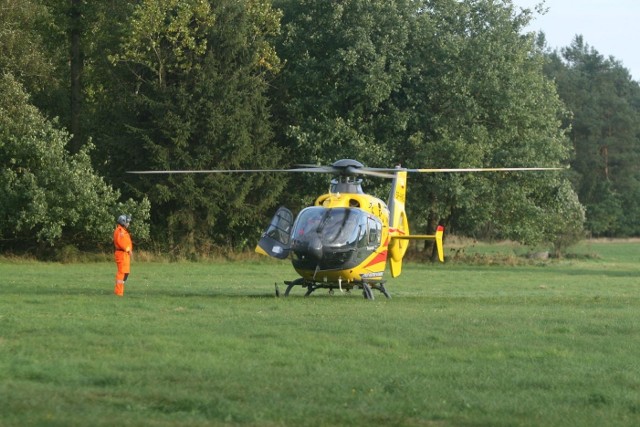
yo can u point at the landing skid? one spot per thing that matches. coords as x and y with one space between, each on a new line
367 287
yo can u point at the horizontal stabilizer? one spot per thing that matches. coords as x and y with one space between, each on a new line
437 237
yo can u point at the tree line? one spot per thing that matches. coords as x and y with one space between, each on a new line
91 90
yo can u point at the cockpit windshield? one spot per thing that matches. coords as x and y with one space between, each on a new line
337 227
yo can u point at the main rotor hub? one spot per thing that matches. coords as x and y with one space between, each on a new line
346 184
347 164
347 181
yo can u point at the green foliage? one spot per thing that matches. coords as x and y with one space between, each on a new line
228 84
195 75
22 43
47 195
166 37
605 131
430 84
481 100
344 61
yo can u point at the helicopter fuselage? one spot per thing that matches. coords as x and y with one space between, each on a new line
343 237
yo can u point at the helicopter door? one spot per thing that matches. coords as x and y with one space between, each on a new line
275 241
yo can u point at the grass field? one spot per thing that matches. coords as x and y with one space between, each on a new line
553 343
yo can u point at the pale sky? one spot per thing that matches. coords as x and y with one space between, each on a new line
612 27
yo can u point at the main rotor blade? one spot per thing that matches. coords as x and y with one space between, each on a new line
373 172
349 170
310 169
189 171
437 170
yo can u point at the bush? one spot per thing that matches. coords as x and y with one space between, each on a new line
48 196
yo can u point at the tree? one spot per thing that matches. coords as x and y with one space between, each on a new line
333 98
170 84
605 131
192 85
481 100
47 196
23 52
76 66
430 83
343 61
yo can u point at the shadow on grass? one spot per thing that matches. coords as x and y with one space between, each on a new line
58 291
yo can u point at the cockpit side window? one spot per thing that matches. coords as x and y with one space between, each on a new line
375 231
362 232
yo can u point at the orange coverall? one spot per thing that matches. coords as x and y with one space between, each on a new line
123 248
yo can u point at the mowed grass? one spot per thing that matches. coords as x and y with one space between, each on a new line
193 344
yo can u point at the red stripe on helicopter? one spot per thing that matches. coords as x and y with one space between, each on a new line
396 230
381 257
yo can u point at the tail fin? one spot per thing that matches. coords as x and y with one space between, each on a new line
398 223
399 226
397 198
438 238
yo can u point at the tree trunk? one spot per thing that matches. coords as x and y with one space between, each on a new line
76 74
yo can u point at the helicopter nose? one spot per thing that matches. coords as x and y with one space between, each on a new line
315 248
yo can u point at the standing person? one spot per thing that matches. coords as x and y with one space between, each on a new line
123 249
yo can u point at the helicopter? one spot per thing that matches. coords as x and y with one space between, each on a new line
346 239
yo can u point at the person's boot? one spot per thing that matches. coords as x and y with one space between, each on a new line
119 289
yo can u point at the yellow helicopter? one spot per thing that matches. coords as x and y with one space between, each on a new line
346 238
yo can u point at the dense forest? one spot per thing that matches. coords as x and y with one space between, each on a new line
91 90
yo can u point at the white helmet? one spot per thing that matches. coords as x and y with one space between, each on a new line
124 220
